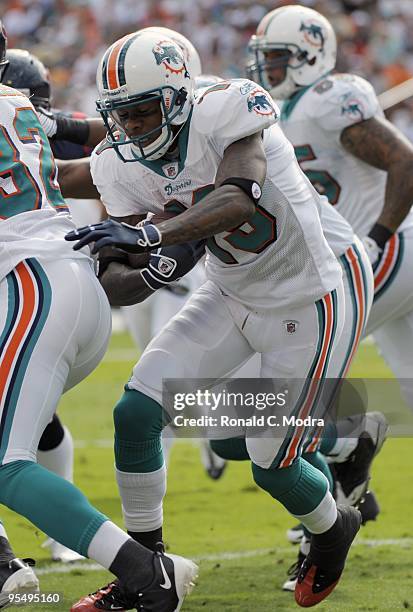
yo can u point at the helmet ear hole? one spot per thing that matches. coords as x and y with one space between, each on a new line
181 97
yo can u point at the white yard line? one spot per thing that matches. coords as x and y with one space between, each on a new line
224 556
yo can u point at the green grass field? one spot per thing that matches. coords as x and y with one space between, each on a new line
235 531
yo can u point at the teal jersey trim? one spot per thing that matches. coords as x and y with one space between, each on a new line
396 268
44 298
304 392
157 164
290 104
346 266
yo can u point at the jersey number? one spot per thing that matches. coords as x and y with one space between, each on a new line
252 236
19 191
321 179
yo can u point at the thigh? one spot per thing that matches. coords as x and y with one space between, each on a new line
393 282
201 341
358 282
93 324
42 337
303 360
168 302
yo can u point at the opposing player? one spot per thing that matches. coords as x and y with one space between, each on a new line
352 155
274 285
55 325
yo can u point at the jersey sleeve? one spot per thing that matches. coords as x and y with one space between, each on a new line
232 110
343 100
119 197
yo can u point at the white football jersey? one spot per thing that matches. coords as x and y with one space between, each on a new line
280 257
33 220
337 231
313 121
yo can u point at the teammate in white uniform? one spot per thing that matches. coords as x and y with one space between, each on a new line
274 285
54 329
353 156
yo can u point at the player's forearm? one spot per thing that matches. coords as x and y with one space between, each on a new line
222 210
97 132
399 195
123 285
380 144
75 179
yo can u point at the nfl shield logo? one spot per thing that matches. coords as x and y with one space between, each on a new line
291 326
170 170
165 266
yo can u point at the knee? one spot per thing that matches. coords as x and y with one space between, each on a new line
233 449
138 417
276 481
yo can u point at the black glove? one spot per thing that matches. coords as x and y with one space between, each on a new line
111 233
169 264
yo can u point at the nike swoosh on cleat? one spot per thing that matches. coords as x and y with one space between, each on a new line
167 584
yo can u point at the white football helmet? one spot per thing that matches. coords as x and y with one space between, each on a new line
310 46
191 55
138 68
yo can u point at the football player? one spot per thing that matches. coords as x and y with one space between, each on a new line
353 155
51 339
356 158
274 286
27 73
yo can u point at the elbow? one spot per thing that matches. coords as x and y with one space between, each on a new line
241 208
247 209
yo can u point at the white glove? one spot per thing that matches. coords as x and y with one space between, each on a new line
47 121
372 248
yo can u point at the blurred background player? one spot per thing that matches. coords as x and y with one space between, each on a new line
354 156
358 160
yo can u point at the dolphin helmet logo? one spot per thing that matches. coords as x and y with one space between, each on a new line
314 35
259 102
170 57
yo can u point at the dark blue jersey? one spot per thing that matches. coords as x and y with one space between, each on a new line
63 149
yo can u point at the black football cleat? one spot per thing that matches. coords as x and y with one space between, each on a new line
173 580
214 465
322 568
353 475
369 507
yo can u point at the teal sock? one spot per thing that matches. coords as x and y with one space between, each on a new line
233 449
318 461
328 439
51 503
139 421
300 487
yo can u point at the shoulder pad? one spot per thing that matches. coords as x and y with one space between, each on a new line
341 100
231 110
103 170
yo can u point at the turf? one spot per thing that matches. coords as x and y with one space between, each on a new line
235 530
